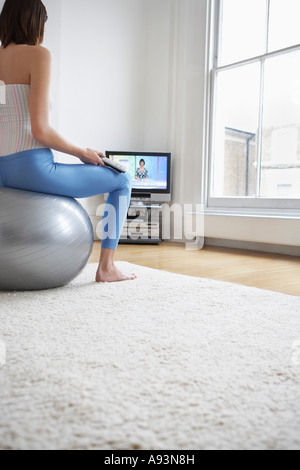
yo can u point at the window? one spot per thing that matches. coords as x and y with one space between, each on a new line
255 105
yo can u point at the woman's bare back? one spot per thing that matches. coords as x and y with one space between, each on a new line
15 63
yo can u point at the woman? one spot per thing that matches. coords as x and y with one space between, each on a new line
142 172
26 138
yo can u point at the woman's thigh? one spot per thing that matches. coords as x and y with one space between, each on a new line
36 171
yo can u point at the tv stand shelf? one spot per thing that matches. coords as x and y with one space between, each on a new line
143 224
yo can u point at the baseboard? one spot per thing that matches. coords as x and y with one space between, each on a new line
253 246
237 244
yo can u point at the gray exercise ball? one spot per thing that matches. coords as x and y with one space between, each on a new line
45 241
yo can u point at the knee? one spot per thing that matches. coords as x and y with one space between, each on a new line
125 181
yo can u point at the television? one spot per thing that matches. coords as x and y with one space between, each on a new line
150 174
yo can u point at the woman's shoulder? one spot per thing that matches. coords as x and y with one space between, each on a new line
25 50
38 56
29 54
39 52
24 53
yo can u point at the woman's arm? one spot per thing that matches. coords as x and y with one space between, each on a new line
40 73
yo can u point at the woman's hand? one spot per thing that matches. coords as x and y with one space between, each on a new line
92 157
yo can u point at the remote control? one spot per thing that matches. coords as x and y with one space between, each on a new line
115 166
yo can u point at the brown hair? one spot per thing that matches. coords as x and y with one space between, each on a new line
22 22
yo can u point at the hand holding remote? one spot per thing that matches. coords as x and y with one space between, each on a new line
114 165
91 157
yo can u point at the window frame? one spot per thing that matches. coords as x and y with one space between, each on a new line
279 207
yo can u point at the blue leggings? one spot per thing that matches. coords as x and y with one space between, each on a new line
35 170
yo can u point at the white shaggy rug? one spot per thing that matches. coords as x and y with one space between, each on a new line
163 362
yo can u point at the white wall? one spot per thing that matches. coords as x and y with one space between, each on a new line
158 74
102 76
52 40
175 89
102 73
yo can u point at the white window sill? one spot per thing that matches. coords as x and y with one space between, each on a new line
287 214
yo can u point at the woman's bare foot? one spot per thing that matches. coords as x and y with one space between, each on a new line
112 274
107 270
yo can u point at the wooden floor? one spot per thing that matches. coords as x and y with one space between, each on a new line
273 272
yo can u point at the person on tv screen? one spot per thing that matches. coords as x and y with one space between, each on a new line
142 172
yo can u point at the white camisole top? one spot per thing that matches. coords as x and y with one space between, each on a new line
15 126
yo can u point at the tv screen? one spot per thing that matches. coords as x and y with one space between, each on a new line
150 172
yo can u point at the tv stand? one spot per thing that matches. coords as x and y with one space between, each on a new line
141 196
143 223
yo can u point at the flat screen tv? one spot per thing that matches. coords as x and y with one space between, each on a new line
150 173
